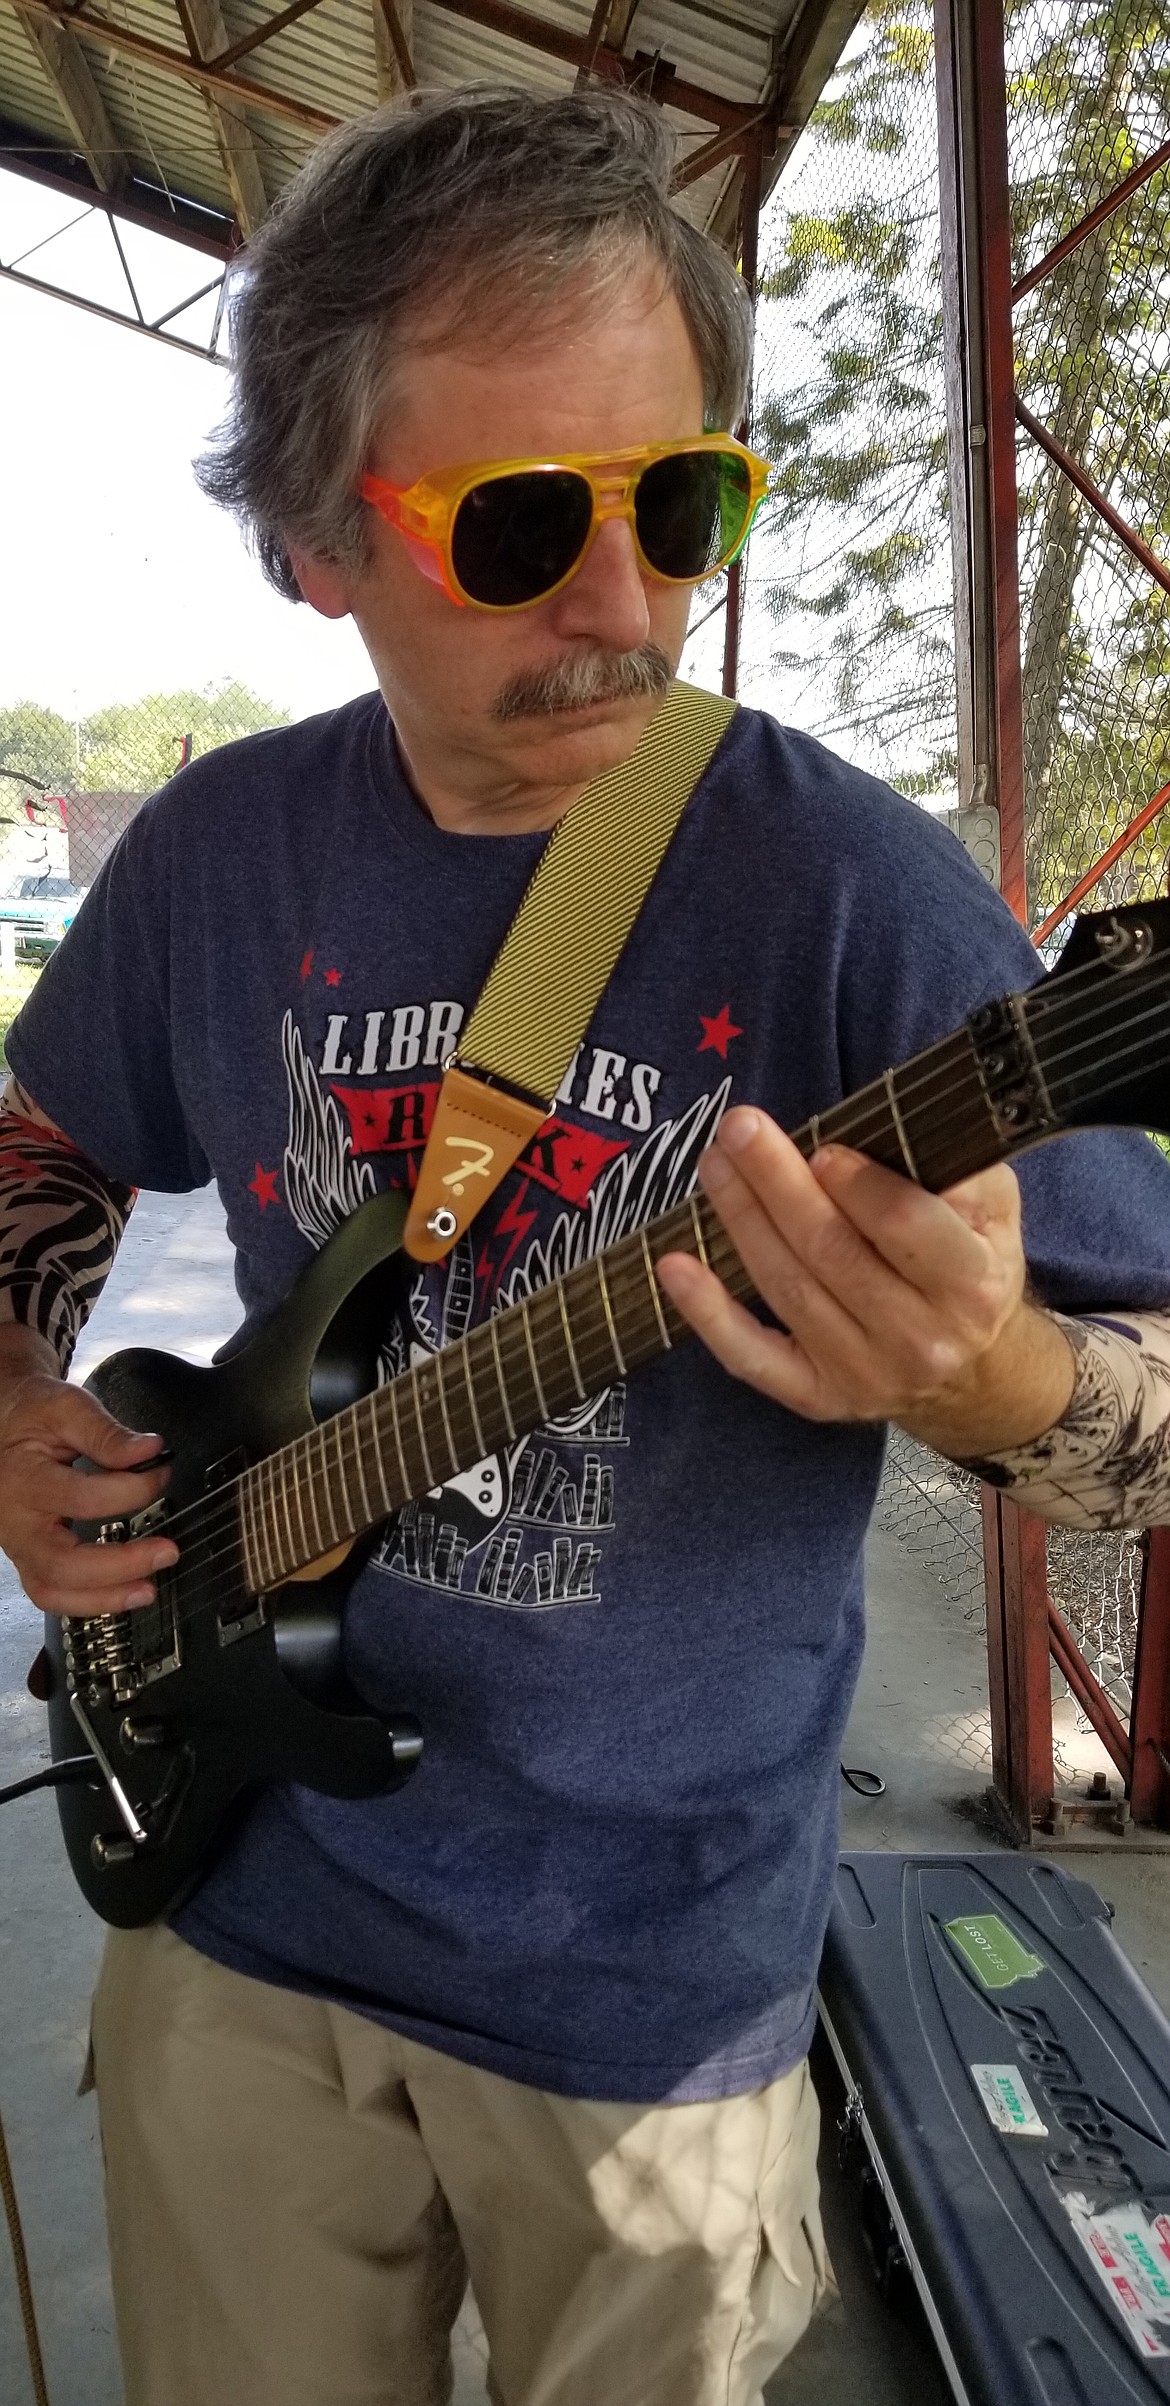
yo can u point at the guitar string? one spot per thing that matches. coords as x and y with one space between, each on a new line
229 1515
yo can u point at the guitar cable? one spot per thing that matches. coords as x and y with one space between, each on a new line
54 1775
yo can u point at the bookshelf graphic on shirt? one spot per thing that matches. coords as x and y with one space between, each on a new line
521 1528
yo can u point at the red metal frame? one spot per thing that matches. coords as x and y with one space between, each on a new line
1150 1719
1093 876
1019 1687
1024 1629
1076 475
1088 225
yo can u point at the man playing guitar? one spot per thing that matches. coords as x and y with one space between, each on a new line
543 2017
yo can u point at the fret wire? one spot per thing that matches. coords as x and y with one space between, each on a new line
655 1297
451 1446
306 1549
570 1348
369 1516
697 1225
509 1423
540 1394
372 1415
292 1546
248 1523
320 1546
339 1442
607 1307
403 1472
327 1485
900 1126
416 1399
469 1383
267 1519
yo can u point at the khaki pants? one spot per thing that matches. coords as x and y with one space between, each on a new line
296 2198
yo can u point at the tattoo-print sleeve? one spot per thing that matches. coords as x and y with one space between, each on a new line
1106 1464
61 1222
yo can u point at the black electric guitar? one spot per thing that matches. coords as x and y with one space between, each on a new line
290 1455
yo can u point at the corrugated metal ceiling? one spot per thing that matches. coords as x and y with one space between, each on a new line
99 96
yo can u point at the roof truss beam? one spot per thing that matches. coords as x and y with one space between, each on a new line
206 76
393 56
225 56
205 33
576 50
64 65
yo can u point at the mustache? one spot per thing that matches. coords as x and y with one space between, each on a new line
571 684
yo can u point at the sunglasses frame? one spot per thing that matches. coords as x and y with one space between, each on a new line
424 513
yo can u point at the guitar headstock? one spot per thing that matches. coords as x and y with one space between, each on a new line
1100 1022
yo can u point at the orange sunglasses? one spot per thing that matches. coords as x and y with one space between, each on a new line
505 534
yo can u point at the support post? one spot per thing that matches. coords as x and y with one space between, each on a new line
753 185
977 307
1149 1792
1018 1677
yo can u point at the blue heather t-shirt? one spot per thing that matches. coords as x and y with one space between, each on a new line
632 1640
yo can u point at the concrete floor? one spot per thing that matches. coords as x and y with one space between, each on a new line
920 1719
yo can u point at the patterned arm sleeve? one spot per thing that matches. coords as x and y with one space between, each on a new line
61 1222
1106 1464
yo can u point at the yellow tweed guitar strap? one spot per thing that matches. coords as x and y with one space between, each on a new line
555 961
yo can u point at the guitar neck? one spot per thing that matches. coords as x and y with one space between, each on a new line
934 1119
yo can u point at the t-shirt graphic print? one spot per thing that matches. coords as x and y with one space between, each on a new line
521 1530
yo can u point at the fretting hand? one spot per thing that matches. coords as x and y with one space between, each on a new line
896 1304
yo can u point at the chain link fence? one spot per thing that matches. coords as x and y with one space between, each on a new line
68 789
1089 101
849 624
932 1510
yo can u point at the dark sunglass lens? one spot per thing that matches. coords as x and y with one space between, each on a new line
691 510
515 537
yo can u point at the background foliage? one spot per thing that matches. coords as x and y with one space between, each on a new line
857 582
127 748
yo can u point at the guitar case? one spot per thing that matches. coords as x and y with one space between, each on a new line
1007 2082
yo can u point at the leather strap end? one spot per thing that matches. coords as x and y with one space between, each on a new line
477 1133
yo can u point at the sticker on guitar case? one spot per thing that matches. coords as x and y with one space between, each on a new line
1129 2256
1005 2095
992 1951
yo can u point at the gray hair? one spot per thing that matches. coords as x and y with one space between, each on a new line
427 214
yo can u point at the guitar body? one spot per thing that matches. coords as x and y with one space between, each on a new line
222 1690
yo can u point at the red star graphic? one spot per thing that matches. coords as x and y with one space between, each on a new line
263 1186
333 977
719 1033
306 965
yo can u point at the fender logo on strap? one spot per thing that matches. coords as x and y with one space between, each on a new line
482 1168
487 1129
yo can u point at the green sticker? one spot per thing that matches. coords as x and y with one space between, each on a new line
992 1951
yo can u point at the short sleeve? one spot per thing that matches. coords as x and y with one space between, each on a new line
93 1044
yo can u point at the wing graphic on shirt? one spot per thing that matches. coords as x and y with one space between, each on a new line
322 1181
632 1189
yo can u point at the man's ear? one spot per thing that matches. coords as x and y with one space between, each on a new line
323 585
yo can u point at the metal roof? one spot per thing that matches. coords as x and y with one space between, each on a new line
188 116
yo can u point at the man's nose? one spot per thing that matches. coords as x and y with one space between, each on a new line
606 599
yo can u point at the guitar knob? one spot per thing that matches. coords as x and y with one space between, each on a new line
134 1733
107 1852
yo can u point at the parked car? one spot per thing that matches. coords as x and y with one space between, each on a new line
41 909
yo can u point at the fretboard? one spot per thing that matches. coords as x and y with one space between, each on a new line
564 1344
